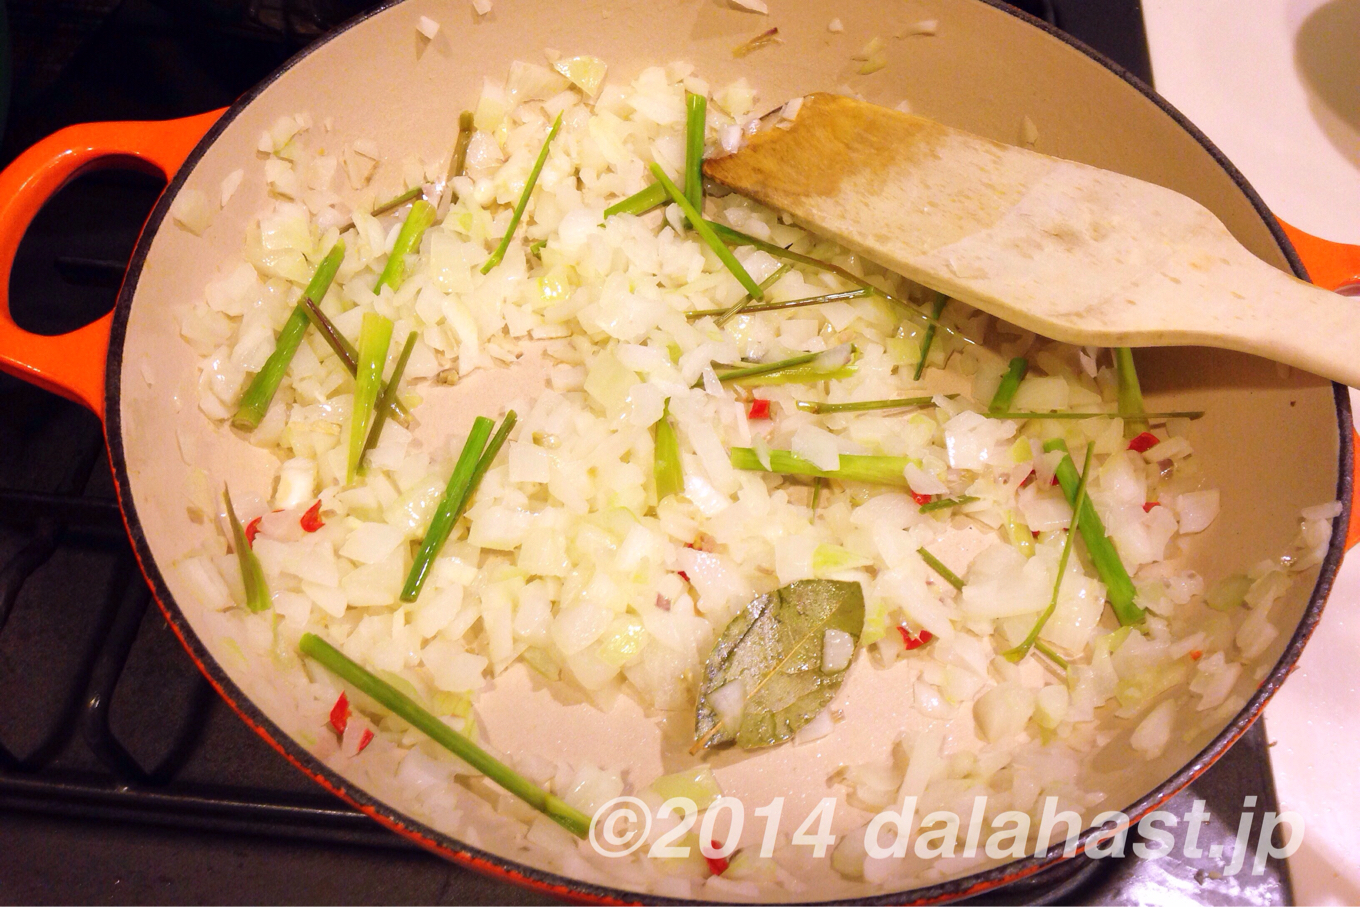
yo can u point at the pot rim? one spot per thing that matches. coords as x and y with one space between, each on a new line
581 891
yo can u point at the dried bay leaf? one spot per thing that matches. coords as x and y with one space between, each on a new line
774 647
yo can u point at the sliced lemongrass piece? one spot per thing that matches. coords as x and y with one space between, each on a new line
741 304
375 336
255 401
666 468
1184 414
945 573
252 573
1119 589
396 202
1009 386
1129 392
929 338
696 112
1017 653
523 202
873 470
639 202
812 406
387 397
407 709
345 351
705 231
749 309
449 508
418 220
946 503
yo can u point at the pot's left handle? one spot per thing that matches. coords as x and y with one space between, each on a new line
72 364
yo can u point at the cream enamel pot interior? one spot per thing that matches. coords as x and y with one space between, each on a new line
1272 442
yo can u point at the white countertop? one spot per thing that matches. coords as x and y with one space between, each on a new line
1276 85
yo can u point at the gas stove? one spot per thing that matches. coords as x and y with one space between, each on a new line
122 777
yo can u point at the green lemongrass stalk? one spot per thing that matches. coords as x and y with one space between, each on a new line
458 163
435 536
853 467
348 356
418 220
946 503
765 368
666 469
800 374
837 362
1129 392
705 231
929 338
1185 414
738 238
1017 653
396 202
252 573
1009 386
375 336
934 563
449 508
696 112
639 202
387 397
523 202
749 309
407 709
255 401
1118 587
811 406
741 304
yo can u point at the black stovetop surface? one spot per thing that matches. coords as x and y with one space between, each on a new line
122 777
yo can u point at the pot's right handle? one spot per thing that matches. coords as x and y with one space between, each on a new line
1333 266
72 364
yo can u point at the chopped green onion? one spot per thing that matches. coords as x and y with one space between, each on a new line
413 228
696 111
458 163
252 573
639 202
523 202
946 503
406 708
741 304
396 202
1019 652
853 467
374 338
386 398
1130 393
472 464
1118 587
255 402
811 406
1009 386
1052 656
837 362
929 338
346 353
748 309
1186 414
706 233
670 477
945 573
536 249
766 368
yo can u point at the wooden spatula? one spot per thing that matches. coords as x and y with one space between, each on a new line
1066 250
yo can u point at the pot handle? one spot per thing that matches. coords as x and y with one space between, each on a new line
1333 266
72 364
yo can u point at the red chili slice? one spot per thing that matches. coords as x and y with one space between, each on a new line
252 530
1147 508
716 865
1144 442
1054 480
914 642
759 409
364 740
922 499
1196 654
311 520
683 575
340 713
